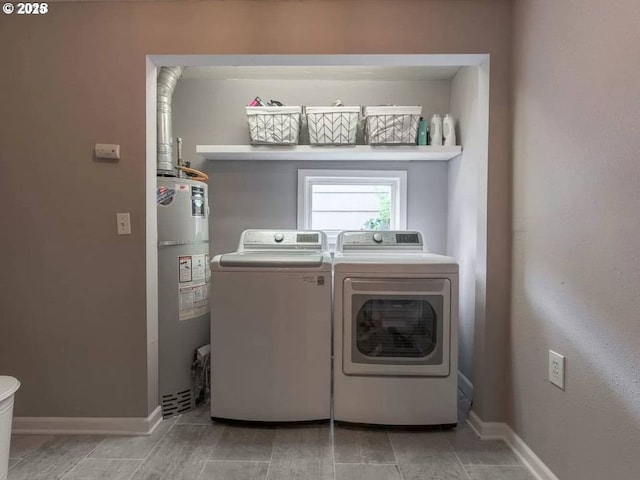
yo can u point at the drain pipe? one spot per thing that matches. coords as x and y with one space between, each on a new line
167 80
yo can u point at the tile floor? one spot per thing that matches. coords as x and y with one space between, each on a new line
190 447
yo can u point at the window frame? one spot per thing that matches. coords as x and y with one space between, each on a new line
396 179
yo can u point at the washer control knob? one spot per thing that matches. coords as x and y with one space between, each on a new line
377 237
278 237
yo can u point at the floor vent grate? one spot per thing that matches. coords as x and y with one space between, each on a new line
176 403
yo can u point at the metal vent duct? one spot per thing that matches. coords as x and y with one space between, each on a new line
167 80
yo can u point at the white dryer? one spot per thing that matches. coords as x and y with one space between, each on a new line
395 331
271 328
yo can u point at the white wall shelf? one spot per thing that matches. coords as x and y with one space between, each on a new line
332 153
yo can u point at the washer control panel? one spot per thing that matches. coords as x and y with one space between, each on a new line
286 239
401 240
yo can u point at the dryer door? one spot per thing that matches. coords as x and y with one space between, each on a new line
396 327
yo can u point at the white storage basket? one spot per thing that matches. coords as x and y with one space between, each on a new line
332 125
274 125
392 125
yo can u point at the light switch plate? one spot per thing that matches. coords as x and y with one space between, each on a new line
556 369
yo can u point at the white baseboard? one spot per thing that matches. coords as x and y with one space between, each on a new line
502 431
465 385
88 425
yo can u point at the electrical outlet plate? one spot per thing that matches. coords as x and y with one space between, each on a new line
124 223
107 151
556 369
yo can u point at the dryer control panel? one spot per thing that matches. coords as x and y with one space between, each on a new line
282 239
372 240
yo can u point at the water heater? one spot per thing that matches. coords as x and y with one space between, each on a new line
183 287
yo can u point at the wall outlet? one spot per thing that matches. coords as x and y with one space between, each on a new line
556 369
109 151
124 223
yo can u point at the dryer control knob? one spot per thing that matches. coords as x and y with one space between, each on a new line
278 237
377 237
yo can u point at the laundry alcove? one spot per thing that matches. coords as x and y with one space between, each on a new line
257 187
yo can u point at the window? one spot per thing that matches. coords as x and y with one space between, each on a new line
336 200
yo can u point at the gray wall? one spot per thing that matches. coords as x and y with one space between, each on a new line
213 111
254 194
576 261
466 208
73 309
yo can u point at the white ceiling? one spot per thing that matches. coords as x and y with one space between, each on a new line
396 73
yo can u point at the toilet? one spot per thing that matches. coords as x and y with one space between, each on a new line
8 387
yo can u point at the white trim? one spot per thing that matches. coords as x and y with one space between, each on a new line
465 385
487 430
151 233
305 60
502 431
87 425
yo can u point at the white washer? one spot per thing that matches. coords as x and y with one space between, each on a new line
271 328
395 331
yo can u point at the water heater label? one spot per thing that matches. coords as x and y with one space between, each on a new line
198 264
184 269
193 287
207 269
193 301
165 196
197 202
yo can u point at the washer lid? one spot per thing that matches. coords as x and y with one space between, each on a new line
272 259
8 386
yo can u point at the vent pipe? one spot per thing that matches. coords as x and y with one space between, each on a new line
167 80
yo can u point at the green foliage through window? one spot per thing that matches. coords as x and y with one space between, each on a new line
383 221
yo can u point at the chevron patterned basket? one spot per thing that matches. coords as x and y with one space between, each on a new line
332 125
274 125
391 125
